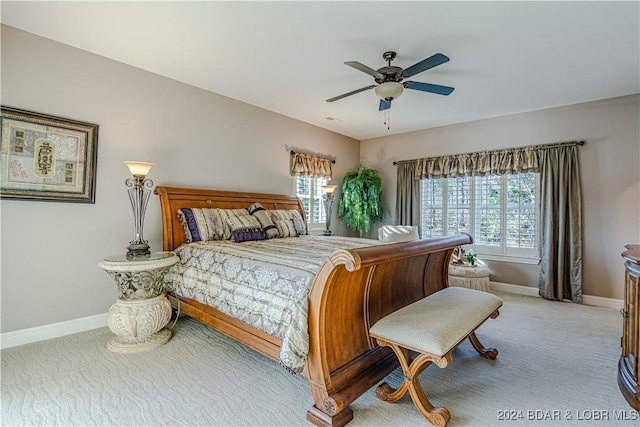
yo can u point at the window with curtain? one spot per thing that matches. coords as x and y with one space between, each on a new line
311 173
499 211
309 191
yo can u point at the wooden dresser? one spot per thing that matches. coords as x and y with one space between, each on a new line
628 366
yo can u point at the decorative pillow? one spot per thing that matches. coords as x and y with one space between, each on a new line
292 214
245 228
238 216
245 234
243 221
199 224
286 228
203 224
256 210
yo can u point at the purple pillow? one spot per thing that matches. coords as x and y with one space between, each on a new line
247 234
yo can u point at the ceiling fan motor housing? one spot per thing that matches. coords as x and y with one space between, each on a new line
390 73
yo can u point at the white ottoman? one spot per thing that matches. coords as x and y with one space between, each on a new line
471 277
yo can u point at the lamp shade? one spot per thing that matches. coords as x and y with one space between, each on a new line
139 168
388 90
329 188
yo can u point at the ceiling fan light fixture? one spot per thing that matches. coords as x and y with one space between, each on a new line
388 90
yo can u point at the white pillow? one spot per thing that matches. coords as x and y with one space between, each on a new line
398 233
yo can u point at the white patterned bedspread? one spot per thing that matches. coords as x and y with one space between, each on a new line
262 283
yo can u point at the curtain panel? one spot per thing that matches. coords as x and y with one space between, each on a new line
303 164
408 195
561 225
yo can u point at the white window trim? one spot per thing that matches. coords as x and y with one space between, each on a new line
511 254
507 258
496 253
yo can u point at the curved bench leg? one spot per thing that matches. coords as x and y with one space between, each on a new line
436 416
411 370
488 353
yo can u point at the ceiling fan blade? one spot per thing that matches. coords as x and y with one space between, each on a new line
384 105
365 69
353 92
425 64
428 87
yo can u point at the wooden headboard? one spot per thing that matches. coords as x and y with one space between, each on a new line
174 198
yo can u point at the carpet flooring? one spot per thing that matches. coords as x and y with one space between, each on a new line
556 367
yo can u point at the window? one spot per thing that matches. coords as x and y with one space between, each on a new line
500 212
309 191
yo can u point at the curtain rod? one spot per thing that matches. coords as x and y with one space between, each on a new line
540 146
332 160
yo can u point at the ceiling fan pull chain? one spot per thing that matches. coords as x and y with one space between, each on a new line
387 118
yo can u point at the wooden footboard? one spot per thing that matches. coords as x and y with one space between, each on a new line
352 290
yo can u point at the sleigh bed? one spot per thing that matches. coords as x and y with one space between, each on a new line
351 290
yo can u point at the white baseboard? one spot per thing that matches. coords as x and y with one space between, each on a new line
594 301
616 304
514 289
54 330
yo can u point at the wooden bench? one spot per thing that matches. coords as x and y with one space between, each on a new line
433 327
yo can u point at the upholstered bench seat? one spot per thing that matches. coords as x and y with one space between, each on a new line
433 327
439 322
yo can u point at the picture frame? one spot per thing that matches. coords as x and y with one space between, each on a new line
47 158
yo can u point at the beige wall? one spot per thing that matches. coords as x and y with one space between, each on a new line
196 138
610 175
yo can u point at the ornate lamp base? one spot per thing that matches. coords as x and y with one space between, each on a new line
138 324
137 249
327 233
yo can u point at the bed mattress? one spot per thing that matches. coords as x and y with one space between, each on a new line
262 283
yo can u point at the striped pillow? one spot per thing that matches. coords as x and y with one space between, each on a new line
264 218
230 214
243 221
204 224
285 228
199 224
293 215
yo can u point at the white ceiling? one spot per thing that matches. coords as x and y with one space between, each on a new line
287 57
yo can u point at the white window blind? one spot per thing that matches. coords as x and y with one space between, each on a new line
458 205
488 211
521 210
433 207
309 191
500 212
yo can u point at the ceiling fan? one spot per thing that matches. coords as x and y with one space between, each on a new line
389 79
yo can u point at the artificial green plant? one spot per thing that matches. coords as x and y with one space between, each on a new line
360 205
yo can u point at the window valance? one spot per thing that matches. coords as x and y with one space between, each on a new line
482 163
303 164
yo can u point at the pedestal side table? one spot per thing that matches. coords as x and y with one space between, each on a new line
142 309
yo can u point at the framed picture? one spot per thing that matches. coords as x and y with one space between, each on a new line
47 158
